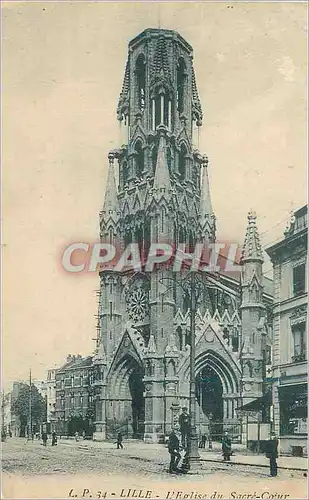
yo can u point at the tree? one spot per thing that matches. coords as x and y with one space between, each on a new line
21 407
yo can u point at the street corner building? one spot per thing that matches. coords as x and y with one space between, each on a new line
290 368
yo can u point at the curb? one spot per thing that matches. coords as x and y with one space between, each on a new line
253 465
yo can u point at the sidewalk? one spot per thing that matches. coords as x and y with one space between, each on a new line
143 451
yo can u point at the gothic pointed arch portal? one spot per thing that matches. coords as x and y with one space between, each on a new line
209 392
127 405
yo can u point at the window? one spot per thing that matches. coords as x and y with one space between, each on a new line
299 279
181 79
169 160
139 159
298 332
182 162
268 355
141 81
125 172
154 155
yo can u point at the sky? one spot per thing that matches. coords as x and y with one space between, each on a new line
63 66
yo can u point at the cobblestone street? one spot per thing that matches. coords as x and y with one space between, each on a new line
93 470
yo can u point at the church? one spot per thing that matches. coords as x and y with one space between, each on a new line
157 191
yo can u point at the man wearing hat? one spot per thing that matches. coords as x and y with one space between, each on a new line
184 423
173 449
272 454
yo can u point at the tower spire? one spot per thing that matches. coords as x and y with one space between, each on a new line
111 205
206 206
252 249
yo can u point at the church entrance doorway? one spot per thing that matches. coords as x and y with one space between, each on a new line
209 397
136 386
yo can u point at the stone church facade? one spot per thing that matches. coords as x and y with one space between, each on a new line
162 194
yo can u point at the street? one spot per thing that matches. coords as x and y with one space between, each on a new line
86 469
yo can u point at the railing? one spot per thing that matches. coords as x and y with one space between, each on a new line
298 358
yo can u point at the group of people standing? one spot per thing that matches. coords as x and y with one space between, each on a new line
174 447
53 436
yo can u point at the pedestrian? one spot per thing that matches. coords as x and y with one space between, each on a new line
54 438
184 422
173 449
119 441
272 454
226 447
203 441
84 434
44 438
76 436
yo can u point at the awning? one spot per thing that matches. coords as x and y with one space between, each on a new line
257 404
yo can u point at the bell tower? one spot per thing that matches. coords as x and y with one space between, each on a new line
162 196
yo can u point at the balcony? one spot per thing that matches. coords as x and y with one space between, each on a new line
299 358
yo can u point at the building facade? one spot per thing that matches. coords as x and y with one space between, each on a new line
74 399
141 365
51 396
289 258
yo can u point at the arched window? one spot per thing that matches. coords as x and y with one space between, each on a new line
169 160
182 162
154 155
182 235
141 81
125 172
147 236
181 81
139 158
139 238
191 241
179 335
157 111
128 238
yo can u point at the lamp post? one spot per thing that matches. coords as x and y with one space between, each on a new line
191 286
194 457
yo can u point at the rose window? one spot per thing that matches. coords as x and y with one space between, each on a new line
137 305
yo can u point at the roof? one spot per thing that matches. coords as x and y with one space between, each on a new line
156 32
258 403
75 363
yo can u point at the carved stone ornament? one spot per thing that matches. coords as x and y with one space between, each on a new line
209 336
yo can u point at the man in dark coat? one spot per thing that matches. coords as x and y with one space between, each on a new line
272 454
226 447
119 441
184 423
44 438
54 439
173 449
